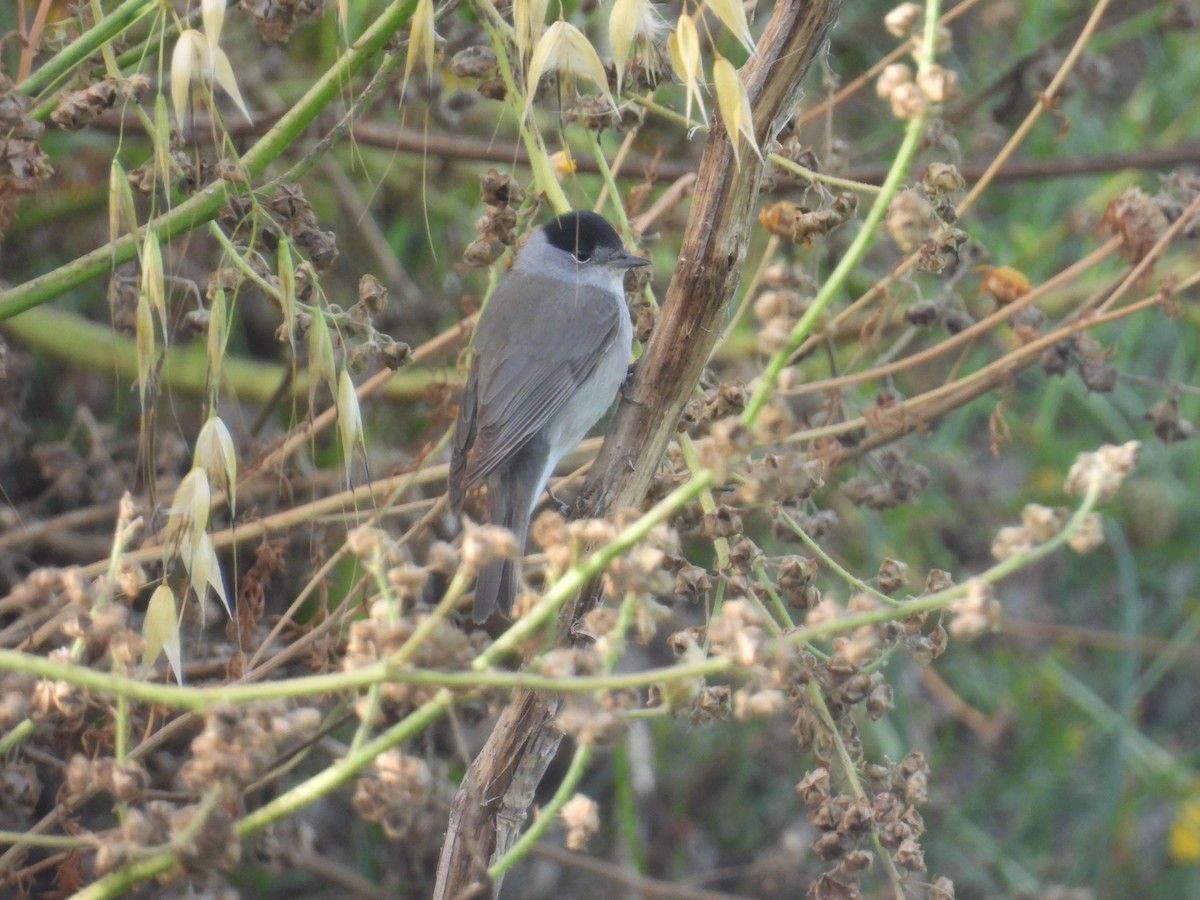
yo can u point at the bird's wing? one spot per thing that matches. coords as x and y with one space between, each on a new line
464 437
526 369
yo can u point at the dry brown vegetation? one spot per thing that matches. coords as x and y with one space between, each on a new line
880 582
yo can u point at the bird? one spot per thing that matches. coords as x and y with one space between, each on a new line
551 350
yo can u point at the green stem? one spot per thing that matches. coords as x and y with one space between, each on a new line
781 618
547 814
579 761
118 883
707 502
858 247
840 570
16 735
812 175
95 38
206 696
206 204
64 335
610 182
48 841
941 599
338 774
856 788
159 861
499 35
575 578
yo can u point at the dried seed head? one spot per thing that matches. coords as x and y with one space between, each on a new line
1088 536
958 321
829 845
744 554
499 189
774 335
711 703
942 888
736 631
1028 323
482 253
477 63
1107 467
591 723
549 531
893 574
592 531
975 613
938 580
923 313
1011 541
692 583
721 522
942 41
1043 522
942 178
903 19
941 249
1098 376
77 109
483 543
891 78
214 844
909 219
758 704
645 317
939 83
561 663
908 101
581 815
1137 220
880 701
21 786
442 558
1169 425
599 622
824 611
909 856
814 787
780 302
1004 283
276 19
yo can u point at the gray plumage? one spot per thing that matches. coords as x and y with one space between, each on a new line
551 349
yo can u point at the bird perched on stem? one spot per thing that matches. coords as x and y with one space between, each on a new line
551 349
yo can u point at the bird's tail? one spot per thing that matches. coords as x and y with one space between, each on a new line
512 495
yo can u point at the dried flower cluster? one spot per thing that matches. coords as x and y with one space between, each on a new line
922 219
381 634
406 798
23 165
287 212
277 19
496 229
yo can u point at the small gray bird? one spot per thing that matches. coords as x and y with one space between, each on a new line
551 350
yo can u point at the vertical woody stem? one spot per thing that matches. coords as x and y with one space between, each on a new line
500 782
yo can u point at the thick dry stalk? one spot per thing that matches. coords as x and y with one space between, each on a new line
710 264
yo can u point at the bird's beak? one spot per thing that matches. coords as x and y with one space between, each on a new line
628 261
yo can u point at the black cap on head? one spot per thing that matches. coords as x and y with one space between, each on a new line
582 233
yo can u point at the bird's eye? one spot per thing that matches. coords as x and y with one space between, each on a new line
583 255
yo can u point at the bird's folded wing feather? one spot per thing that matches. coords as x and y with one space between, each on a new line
518 390
464 437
